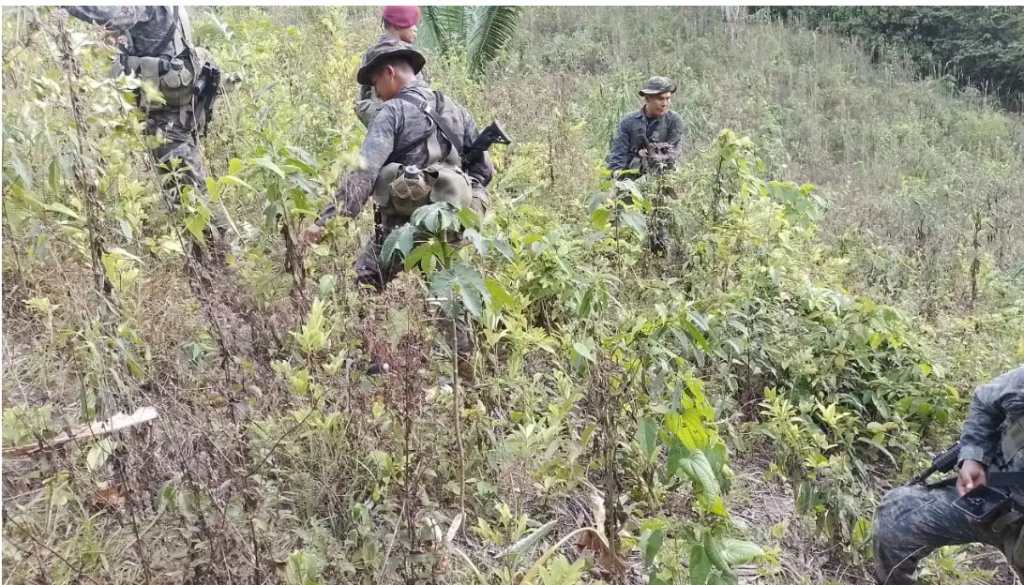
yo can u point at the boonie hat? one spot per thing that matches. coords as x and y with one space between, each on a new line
386 49
657 85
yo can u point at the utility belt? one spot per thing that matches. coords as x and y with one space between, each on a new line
402 189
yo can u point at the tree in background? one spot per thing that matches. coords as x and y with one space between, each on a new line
980 47
481 31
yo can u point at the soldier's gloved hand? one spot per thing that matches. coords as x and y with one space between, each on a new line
972 475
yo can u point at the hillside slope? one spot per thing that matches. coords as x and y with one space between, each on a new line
730 411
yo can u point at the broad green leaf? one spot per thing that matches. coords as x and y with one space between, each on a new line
266 163
400 240
636 222
650 543
584 351
499 296
63 210
99 453
233 180
647 437
738 552
526 543
197 222
478 241
468 218
471 287
425 255
697 468
700 565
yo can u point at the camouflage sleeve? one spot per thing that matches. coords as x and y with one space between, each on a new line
113 17
481 170
979 439
355 188
619 155
677 135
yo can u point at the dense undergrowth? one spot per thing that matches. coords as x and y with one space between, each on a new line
826 337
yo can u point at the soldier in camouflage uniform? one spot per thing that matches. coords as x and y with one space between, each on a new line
912 521
402 133
400 25
647 144
653 125
157 45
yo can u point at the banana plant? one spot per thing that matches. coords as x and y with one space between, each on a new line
481 31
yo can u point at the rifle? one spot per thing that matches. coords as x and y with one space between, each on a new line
941 463
493 134
948 459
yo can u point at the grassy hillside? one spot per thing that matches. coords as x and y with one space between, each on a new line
730 411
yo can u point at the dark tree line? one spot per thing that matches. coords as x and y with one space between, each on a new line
982 47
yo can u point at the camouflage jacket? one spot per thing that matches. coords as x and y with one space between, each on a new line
993 433
398 134
636 131
146 28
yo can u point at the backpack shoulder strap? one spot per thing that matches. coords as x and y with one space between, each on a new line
434 147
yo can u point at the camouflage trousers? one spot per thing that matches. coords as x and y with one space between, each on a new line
913 521
180 160
370 270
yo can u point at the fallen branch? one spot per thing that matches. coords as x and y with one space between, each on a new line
87 431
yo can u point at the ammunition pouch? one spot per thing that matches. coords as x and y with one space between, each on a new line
174 78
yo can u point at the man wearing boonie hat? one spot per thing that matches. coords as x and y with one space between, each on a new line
399 24
654 125
416 126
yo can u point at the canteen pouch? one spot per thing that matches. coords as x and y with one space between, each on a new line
172 77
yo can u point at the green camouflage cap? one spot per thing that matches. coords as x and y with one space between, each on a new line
386 49
656 85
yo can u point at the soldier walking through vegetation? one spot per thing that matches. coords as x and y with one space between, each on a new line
399 24
416 128
653 127
156 45
912 521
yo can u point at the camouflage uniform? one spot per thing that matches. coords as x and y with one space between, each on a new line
912 521
368 104
636 131
162 31
398 134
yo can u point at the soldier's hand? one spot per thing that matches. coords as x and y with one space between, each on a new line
312 235
972 475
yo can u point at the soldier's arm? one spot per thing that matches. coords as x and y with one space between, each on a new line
677 136
119 18
618 154
481 170
355 188
979 440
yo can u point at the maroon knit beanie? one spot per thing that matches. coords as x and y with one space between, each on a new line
402 16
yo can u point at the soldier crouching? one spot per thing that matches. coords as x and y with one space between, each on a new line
912 521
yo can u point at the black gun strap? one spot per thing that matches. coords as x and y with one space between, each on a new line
424 107
175 24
